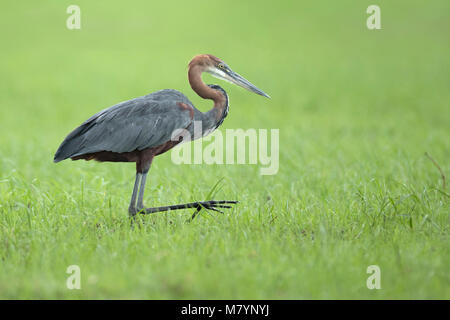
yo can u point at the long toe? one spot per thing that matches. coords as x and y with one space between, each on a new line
213 204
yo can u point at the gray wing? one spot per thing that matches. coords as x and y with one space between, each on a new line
137 124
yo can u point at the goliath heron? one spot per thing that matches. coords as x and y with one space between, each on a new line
137 130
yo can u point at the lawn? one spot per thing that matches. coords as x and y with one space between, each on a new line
356 109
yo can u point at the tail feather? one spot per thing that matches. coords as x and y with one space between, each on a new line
72 144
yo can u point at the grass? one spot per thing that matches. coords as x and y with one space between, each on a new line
357 110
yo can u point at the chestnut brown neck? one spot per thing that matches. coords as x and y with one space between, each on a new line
197 84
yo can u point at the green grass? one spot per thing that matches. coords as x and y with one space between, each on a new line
356 109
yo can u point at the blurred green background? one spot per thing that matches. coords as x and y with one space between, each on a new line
356 108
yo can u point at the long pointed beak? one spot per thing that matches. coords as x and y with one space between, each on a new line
244 83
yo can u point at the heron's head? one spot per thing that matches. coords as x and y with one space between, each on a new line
219 69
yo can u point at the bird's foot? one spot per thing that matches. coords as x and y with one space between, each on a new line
212 205
208 205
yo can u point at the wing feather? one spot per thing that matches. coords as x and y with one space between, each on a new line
136 124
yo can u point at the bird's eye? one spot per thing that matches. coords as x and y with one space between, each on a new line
221 66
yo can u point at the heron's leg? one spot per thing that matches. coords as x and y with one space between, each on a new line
140 202
142 167
132 207
208 205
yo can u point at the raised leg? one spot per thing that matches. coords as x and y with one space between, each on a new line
132 208
141 178
208 205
